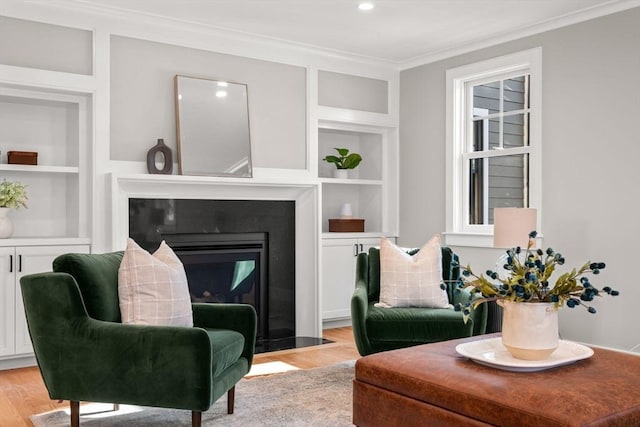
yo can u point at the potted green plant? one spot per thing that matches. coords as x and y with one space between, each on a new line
530 303
343 162
13 195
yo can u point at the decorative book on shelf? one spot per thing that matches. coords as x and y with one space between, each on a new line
353 225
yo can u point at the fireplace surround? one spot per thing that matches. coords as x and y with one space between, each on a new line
304 194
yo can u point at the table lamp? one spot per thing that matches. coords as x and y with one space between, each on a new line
511 226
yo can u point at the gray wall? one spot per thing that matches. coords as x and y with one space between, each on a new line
590 151
44 46
353 92
142 101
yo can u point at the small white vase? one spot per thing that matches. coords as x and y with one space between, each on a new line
341 173
6 225
529 329
346 212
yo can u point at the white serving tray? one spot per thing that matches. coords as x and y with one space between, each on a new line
491 352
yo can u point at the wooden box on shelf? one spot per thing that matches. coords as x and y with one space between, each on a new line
22 157
354 225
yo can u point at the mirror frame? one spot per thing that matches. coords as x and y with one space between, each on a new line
184 169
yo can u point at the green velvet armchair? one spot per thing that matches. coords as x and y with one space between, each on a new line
85 353
378 329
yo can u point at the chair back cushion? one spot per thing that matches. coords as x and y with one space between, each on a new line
450 273
97 278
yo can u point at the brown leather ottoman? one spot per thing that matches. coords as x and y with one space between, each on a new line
431 385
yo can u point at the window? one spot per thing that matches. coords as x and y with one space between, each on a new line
493 143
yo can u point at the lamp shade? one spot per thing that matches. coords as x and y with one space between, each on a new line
511 226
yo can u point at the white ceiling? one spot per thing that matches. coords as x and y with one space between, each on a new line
395 31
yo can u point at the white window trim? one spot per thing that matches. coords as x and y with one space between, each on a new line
485 169
529 61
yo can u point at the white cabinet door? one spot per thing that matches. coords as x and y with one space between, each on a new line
7 301
30 260
339 274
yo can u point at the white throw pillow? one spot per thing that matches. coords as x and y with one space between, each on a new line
153 289
412 281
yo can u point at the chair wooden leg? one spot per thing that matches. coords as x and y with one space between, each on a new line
196 418
75 413
231 397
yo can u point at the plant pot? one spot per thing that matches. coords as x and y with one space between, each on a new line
341 173
529 329
6 225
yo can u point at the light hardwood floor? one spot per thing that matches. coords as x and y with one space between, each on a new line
22 392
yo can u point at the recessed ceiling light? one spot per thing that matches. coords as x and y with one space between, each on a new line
365 5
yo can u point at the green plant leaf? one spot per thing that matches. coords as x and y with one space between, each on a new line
342 151
332 159
351 161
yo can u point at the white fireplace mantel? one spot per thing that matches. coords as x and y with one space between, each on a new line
304 193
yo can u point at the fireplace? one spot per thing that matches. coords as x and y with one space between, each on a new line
226 268
233 251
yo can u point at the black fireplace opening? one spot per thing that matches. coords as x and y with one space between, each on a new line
226 268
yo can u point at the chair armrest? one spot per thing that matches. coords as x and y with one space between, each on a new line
360 306
237 317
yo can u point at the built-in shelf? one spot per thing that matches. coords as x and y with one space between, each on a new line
44 241
356 139
365 235
351 181
369 188
39 168
54 124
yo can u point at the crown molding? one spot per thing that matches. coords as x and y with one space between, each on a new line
261 47
253 45
586 14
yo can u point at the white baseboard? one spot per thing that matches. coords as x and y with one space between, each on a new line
18 362
335 323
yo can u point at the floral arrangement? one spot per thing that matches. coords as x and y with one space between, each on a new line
527 280
13 195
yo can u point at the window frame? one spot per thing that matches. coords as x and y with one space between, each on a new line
458 231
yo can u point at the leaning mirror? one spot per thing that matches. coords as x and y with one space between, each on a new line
212 125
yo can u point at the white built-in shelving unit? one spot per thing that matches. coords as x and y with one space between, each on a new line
371 189
54 124
36 115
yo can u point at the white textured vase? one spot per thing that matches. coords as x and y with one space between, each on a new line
341 173
529 330
346 212
6 226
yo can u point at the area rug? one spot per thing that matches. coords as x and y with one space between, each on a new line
311 397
